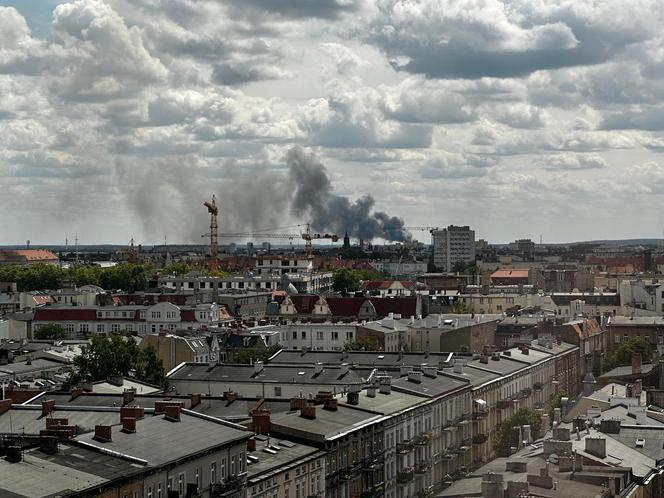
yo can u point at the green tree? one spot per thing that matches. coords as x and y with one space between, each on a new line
126 276
246 356
461 308
345 281
33 277
150 368
363 345
50 331
87 275
623 355
117 355
556 402
179 268
503 437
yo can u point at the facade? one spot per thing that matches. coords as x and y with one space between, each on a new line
193 283
308 335
283 469
451 245
620 329
78 321
173 350
401 268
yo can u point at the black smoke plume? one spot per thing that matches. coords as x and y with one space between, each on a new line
314 199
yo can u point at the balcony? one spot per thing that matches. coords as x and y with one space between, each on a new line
422 468
481 415
504 404
372 464
405 447
423 439
524 393
232 487
480 438
538 386
376 491
405 476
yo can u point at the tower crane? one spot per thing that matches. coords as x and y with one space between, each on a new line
214 211
307 236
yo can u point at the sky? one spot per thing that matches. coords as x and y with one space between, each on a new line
520 118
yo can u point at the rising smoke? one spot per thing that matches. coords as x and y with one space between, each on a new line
167 197
314 199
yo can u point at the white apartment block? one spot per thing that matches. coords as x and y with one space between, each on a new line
452 245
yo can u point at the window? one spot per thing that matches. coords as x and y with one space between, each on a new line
243 462
335 336
197 477
294 335
159 490
277 391
304 334
223 468
101 328
83 328
181 484
213 472
349 336
233 472
319 335
149 491
69 327
169 485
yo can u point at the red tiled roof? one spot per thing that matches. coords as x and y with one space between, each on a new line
510 273
36 254
304 304
65 314
404 306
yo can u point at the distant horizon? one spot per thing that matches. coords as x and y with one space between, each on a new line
617 242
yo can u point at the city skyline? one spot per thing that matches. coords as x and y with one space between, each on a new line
120 118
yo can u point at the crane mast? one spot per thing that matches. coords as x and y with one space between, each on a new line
214 211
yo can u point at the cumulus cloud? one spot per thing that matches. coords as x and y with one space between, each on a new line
124 110
573 161
472 39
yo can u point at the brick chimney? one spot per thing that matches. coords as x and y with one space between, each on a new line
331 405
251 444
75 393
195 400
172 412
129 425
160 406
47 407
103 433
297 403
308 411
135 412
636 363
260 421
230 395
128 396
5 405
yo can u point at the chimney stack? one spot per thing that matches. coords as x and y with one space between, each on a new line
195 400
415 376
129 425
47 407
251 444
128 396
230 395
308 411
385 385
331 405
260 421
172 412
103 433
353 395
636 363
258 367
371 391
318 368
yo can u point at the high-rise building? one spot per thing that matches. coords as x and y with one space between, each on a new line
452 245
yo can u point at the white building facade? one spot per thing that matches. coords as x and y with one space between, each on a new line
451 245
